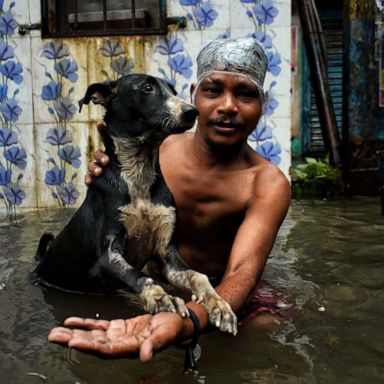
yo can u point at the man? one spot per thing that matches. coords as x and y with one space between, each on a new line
230 201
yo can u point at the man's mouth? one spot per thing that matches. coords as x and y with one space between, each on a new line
227 125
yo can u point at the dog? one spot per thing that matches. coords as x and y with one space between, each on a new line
127 219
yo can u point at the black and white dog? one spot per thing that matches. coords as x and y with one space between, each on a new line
128 216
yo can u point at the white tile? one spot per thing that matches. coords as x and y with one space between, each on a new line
283 108
282 88
281 130
239 17
193 44
44 151
213 34
281 40
34 11
222 8
25 11
175 9
284 17
21 10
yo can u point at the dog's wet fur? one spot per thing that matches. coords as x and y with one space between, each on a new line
128 216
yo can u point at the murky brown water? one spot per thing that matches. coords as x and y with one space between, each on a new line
329 255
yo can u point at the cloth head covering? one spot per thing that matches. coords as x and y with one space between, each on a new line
244 56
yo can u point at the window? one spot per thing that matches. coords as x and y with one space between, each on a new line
103 17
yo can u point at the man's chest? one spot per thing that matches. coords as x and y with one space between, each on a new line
204 204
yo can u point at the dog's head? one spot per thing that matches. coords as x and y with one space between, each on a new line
141 106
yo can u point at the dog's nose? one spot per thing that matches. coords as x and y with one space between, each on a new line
189 113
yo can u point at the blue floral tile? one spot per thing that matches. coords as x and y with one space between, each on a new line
17 172
200 14
61 164
20 11
174 62
16 140
109 58
63 68
18 75
63 143
281 131
257 14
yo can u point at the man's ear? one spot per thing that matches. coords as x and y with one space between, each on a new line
98 93
191 90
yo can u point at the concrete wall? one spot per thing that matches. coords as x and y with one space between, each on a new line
365 110
365 45
45 144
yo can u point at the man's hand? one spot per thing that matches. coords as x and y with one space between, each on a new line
142 335
95 167
101 159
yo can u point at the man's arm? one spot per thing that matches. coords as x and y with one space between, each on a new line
255 237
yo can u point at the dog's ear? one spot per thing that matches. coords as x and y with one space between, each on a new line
97 92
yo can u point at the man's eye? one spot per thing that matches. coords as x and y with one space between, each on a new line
212 90
249 94
148 88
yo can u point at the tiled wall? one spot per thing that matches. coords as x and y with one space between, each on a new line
45 144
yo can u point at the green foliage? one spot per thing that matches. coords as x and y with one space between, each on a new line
313 171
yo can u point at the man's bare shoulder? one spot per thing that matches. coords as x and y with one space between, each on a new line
173 142
269 181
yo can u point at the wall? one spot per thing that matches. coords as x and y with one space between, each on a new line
365 115
46 144
297 84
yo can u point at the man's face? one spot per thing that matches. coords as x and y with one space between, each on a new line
229 108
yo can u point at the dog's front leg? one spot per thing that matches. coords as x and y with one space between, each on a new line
152 295
180 275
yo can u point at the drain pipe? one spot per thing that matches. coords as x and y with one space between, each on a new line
381 178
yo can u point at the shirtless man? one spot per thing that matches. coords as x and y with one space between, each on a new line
230 202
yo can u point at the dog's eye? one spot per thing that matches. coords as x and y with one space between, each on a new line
148 88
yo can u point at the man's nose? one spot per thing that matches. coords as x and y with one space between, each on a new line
228 105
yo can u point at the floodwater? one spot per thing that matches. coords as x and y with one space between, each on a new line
328 261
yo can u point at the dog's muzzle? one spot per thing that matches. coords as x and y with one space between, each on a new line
189 114
183 114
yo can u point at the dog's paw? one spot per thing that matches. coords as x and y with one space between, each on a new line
156 300
220 314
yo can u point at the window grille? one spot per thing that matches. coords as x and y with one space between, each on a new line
62 18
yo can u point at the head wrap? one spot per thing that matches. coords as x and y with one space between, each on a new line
244 56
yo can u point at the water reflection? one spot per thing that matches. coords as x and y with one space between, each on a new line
328 261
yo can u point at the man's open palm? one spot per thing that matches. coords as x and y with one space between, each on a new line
142 335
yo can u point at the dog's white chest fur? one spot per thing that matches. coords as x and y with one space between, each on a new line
149 227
